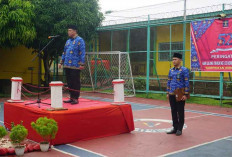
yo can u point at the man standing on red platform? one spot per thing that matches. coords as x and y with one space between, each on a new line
73 59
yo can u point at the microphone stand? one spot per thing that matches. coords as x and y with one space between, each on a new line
38 101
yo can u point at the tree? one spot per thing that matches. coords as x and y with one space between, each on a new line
16 26
52 18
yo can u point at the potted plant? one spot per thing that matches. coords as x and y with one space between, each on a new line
47 129
17 136
3 132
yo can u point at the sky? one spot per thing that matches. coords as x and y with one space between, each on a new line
127 4
126 11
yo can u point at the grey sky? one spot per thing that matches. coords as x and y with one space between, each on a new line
126 4
127 11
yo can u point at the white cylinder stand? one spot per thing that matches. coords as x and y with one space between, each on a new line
118 92
16 85
56 94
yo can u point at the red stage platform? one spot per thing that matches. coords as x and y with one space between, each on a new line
87 120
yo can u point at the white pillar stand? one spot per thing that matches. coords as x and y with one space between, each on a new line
56 94
118 92
16 85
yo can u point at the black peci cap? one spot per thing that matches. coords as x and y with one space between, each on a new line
72 27
177 55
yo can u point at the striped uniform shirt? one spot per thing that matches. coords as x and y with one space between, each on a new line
178 78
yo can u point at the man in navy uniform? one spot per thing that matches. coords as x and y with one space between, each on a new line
73 60
178 79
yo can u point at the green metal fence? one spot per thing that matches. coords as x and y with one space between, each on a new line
139 38
151 52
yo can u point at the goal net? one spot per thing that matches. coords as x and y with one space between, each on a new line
102 68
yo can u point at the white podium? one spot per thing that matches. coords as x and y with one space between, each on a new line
16 85
118 92
56 94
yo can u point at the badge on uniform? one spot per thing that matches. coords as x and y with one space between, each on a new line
178 76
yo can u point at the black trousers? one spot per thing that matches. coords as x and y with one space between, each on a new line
73 81
177 110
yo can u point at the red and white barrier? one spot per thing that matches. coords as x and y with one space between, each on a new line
118 92
56 94
16 85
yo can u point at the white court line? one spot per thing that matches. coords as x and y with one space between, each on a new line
166 107
198 116
144 109
160 107
185 118
2 122
86 150
57 149
65 152
182 150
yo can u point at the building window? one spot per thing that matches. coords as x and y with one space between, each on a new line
164 49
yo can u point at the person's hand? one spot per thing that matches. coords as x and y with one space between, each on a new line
167 96
184 98
59 66
82 67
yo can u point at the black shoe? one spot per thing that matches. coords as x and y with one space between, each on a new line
173 131
178 133
74 102
68 101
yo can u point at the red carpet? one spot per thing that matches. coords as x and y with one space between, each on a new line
88 120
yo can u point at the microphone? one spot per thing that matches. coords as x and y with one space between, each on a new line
54 36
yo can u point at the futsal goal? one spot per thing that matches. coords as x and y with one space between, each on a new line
102 68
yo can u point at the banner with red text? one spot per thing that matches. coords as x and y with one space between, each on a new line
211 45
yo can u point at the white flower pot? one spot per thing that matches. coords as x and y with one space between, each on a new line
44 147
19 151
